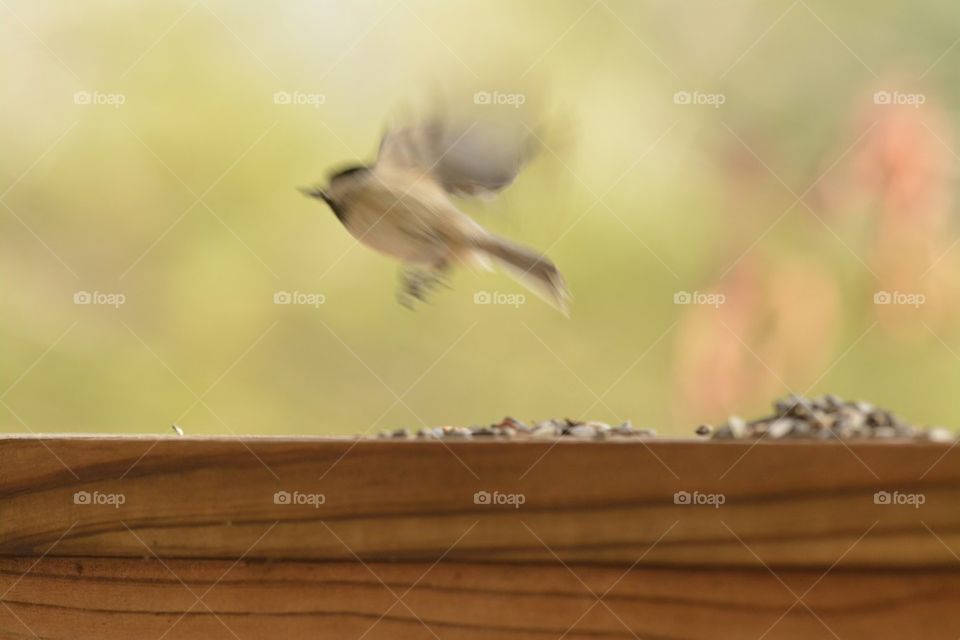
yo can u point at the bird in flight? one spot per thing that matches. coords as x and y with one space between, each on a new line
402 204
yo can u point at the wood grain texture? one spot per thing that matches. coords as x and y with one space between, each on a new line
85 599
798 520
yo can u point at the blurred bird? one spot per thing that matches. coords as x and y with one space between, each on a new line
401 204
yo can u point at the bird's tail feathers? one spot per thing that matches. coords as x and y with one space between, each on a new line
533 270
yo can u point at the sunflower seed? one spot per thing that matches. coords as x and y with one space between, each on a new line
940 434
738 428
801 429
779 428
723 433
513 423
625 429
544 431
582 431
883 432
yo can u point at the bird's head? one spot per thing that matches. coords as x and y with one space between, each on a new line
338 182
316 192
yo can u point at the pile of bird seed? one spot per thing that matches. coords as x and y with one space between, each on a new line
794 417
512 428
824 418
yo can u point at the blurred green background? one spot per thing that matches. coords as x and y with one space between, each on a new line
787 168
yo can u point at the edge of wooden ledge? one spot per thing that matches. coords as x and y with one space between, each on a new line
287 438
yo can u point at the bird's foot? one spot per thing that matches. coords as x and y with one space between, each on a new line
416 284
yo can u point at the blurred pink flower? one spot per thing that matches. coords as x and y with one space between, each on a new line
902 177
777 327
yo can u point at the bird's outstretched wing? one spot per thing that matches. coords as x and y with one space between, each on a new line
469 158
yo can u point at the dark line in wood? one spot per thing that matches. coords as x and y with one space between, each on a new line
349 614
927 596
24 546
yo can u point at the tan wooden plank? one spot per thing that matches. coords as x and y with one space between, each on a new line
790 504
97 599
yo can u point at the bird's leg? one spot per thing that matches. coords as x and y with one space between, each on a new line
411 287
417 282
437 276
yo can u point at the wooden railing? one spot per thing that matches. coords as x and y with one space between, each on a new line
333 538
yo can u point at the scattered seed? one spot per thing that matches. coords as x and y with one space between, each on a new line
723 433
783 407
779 428
513 423
824 418
940 434
801 429
625 429
544 431
738 428
884 432
582 431
832 402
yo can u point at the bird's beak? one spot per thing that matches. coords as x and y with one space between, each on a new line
313 192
